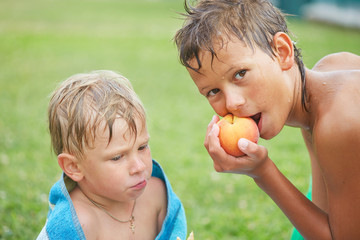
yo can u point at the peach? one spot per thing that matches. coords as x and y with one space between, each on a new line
233 128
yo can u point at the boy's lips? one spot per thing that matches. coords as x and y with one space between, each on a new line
140 185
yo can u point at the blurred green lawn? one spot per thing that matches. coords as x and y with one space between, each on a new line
43 42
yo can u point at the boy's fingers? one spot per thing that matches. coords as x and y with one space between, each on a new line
212 140
214 120
212 145
252 149
215 130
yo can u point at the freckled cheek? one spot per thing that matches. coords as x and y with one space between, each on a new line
219 107
113 180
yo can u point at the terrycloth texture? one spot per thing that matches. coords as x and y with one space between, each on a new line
63 223
174 224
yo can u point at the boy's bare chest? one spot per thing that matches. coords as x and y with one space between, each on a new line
143 226
127 231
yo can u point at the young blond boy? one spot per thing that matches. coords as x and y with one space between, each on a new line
110 188
241 58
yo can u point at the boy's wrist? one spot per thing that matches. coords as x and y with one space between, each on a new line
264 171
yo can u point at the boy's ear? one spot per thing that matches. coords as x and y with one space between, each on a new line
70 165
284 50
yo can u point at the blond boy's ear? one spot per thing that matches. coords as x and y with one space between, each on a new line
284 50
70 165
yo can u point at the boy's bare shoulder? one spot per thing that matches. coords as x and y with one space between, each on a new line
337 125
340 100
338 110
156 192
338 61
157 187
155 196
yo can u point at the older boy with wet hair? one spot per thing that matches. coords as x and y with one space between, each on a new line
241 58
110 187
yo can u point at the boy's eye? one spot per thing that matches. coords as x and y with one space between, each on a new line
213 92
143 147
239 75
116 158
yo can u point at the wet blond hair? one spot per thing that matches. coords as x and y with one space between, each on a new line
83 101
255 22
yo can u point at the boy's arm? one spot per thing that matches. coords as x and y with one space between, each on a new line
310 220
340 170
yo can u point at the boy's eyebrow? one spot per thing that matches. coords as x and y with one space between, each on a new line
146 140
229 70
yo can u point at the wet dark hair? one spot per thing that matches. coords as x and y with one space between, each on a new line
255 22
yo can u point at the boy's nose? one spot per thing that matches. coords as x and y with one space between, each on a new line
234 101
137 165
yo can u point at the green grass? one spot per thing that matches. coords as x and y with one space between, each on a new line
44 42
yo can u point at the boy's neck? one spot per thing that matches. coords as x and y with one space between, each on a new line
299 116
121 211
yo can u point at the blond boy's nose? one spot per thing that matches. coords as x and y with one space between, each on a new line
137 165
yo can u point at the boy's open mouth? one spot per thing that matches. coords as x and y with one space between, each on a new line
256 118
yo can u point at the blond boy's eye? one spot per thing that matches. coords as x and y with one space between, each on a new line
239 75
143 147
116 158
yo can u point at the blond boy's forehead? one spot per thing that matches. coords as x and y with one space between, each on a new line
119 125
120 129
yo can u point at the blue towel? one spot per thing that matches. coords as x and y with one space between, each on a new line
63 223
